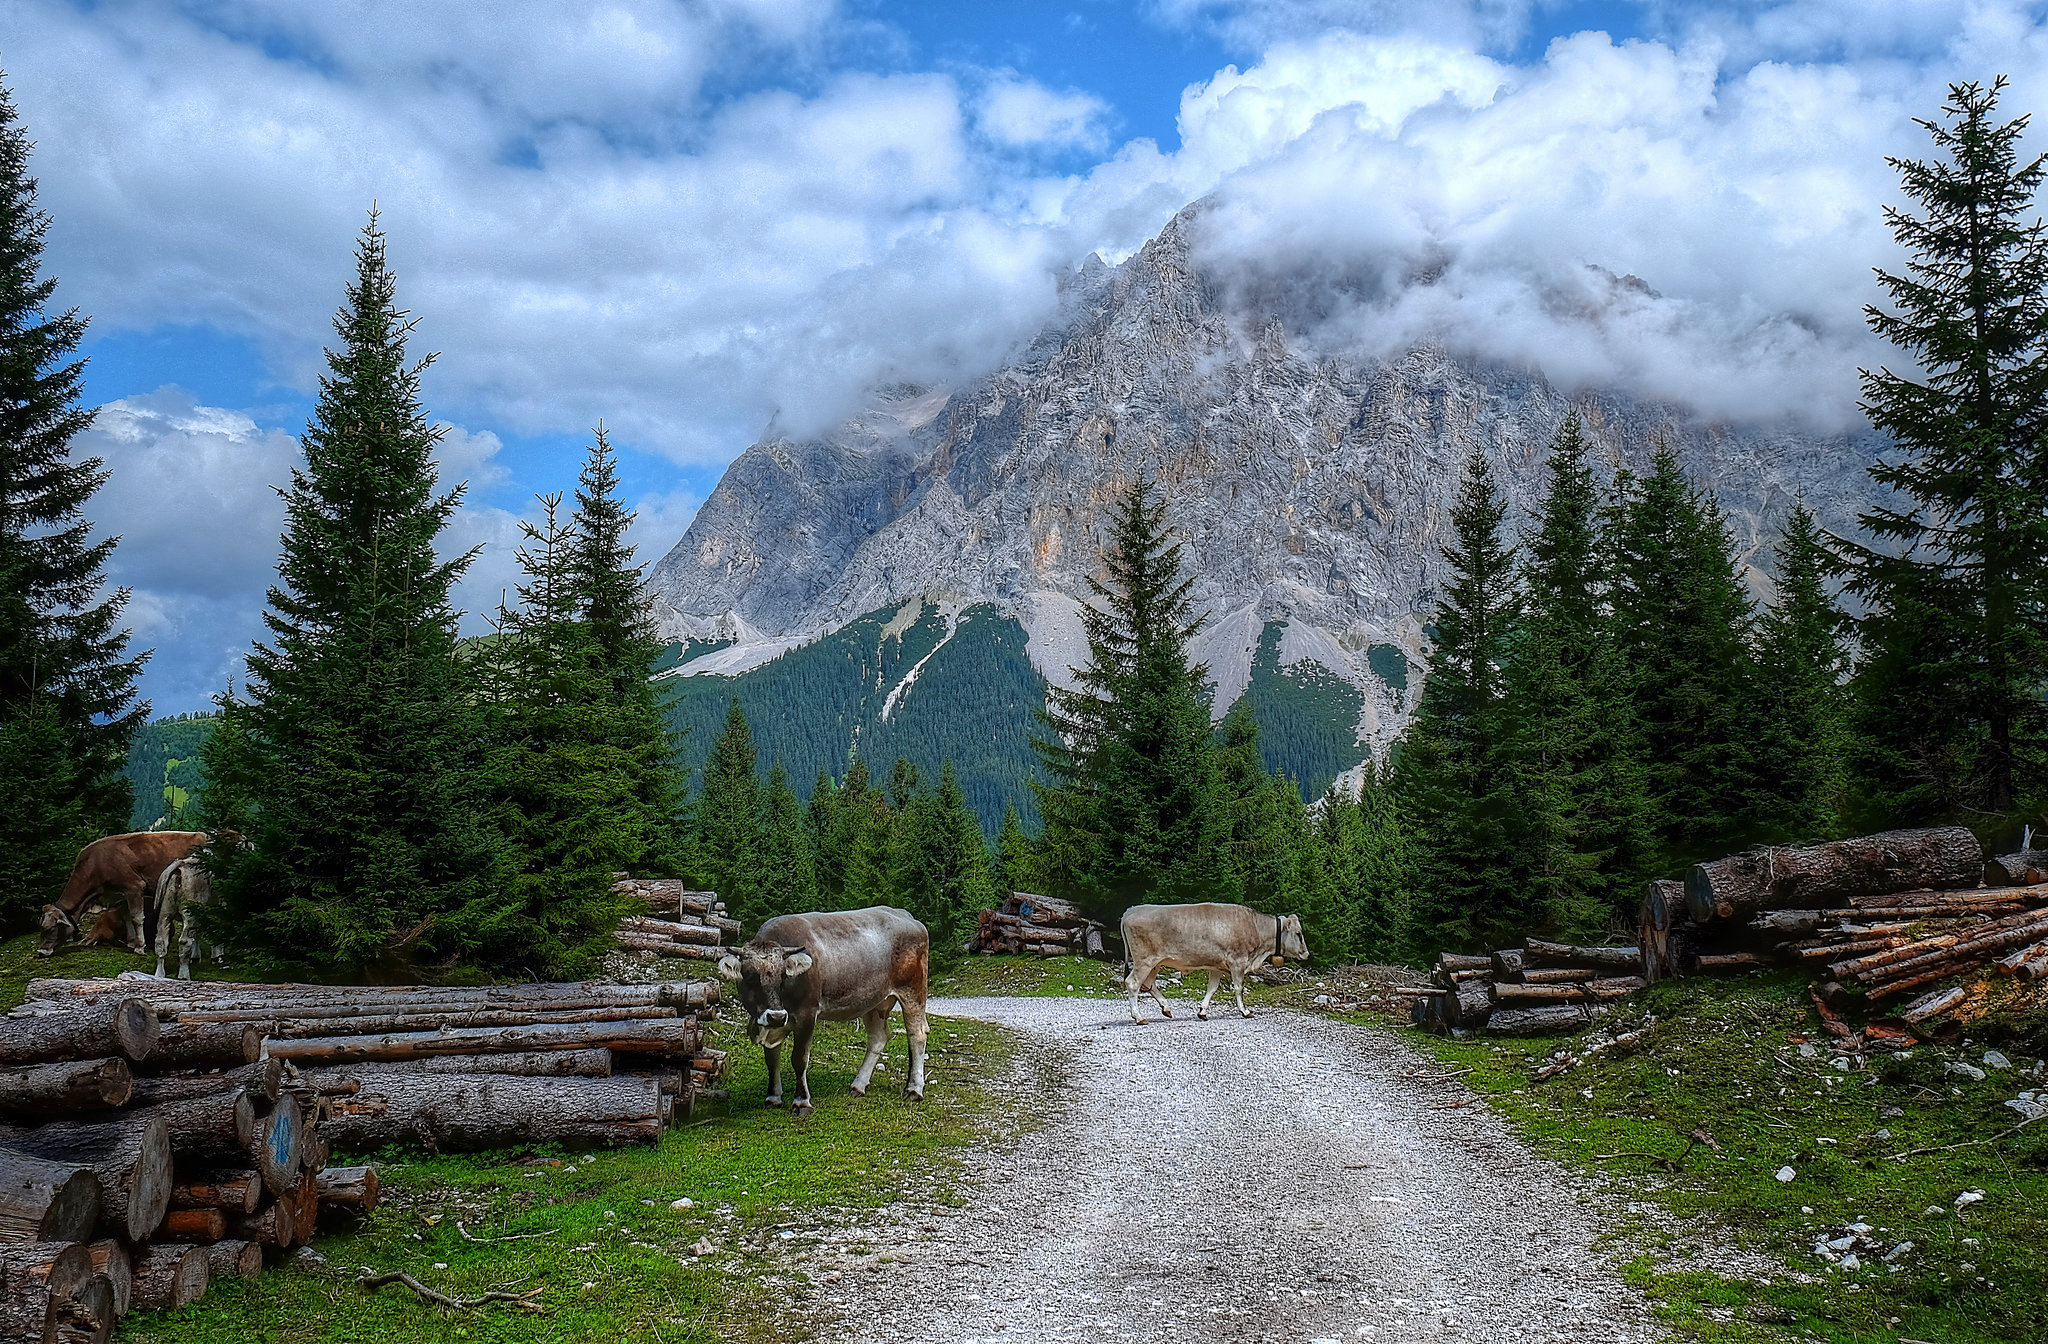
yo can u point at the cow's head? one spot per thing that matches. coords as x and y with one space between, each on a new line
1292 944
771 987
59 928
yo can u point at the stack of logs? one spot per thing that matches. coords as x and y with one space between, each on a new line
1534 990
1037 925
139 1160
678 923
1888 914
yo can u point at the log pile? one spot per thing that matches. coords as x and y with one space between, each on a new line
1538 989
673 921
1043 926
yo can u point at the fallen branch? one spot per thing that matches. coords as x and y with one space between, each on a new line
517 1236
1967 1143
372 1280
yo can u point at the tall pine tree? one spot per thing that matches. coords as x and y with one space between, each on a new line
67 684
1803 722
942 873
729 823
789 878
1133 811
349 761
1968 546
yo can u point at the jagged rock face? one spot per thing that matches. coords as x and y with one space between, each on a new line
1307 487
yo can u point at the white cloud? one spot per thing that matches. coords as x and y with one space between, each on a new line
658 520
1024 114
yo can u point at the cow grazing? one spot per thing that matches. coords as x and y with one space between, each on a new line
185 884
835 967
128 866
1209 936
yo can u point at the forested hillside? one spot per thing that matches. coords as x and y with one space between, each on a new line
164 769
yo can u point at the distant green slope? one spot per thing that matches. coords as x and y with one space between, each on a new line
1307 715
164 756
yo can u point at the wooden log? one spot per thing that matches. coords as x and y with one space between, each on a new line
1791 921
205 1045
1732 961
294 1028
213 1130
640 942
479 1111
111 1258
234 1260
275 1151
40 1091
1448 962
306 1207
37 1280
1557 975
1932 1005
2023 869
125 1026
261 1080
348 1188
1553 1020
1469 1005
130 1155
1658 939
186 997
1625 960
87 1317
193 1225
271 1225
2011 962
667 928
232 1191
659 1036
42 1200
1922 903
1618 987
1507 965
1525 995
1807 876
169 1276
1664 899
1979 943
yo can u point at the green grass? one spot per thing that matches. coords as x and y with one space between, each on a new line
1725 1056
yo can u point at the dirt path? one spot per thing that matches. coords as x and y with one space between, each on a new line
1277 1179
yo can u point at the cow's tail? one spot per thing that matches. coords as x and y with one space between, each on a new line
1123 931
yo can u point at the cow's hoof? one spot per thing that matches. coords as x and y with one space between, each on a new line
858 1091
1203 1016
1166 1012
1139 1021
913 1094
773 1101
801 1109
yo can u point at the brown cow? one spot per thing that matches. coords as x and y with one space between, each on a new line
1206 936
130 865
834 967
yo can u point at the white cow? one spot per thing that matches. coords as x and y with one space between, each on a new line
1206 936
183 885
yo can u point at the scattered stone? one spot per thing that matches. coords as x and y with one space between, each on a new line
1785 1175
1994 1060
1967 1198
703 1248
1969 1071
307 1258
2028 1108
684 1203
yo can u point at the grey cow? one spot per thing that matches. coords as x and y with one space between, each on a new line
1206 936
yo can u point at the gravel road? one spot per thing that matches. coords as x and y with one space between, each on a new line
1282 1178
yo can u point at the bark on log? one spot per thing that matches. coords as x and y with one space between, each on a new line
1909 903
294 1028
1732 961
1507 965
1557 975
1603 991
232 1191
213 1130
1657 937
205 1045
1665 900
658 1036
668 928
2023 869
1469 1005
591 1063
1626 960
131 1156
188 997
275 1152
168 1276
2011 962
126 1027
305 1207
1792 921
1982 941
193 1225
111 1258
640 942
478 1111
234 1260
1932 1005
271 1225
36 1281
261 1080
39 1091
1523 996
1814 875
1551 1021
1447 962
349 1188
88 1316
42 1200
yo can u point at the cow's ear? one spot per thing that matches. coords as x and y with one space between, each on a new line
729 967
796 963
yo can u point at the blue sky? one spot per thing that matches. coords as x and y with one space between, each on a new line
689 216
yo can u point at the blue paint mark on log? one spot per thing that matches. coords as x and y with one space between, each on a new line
281 1136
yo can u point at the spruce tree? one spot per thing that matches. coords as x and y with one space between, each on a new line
1014 862
1803 714
789 880
1133 811
612 605
350 759
67 685
1369 862
560 773
1455 797
1969 542
942 872
729 822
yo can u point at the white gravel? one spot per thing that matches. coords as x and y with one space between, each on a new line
1278 1179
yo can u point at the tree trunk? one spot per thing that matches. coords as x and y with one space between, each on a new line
87 1317
1551 1021
213 1130
1626 960
261 1080
131 1156
479 1111
1603 991
668 928
126 1027
1923 904
1469 1005
193 1225
1448 962
46 1201
349 1187
169 1276
661 1036
234 1260
39 1091
2024 869
36 1281
1984 940
232 1191
275 1152
287 1029
1814 875
1507 965
205 1045
111 1258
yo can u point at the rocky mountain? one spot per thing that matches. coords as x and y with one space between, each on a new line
1312 489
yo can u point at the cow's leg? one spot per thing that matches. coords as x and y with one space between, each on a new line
163 937
188 942
800 1065
918 1027
138 920
877 1023
773 1054
1140 980
1237 985
1203 1011
1152 987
